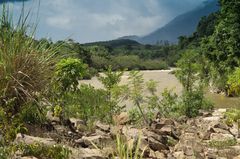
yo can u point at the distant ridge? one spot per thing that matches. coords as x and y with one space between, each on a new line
184 24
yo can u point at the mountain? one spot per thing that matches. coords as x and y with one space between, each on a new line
184 24
115 43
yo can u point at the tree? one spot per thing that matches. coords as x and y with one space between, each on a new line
222 48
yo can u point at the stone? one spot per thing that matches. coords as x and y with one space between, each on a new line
131 133
188 151
121 119
156 145
237 157
77 123
26 139
28 157
86 153
211 153
179 155
103 127
115 130
156 154
211 119
221 137
52 118
151 134
92 141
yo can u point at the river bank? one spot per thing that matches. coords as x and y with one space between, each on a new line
167 80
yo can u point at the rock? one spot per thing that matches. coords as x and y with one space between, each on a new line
21 138
115 130
234 130
156 155
190 144
221 137
188 151
131 133
161 123
103 127
229 153
219 113
86 153
237 157
211 119
179 155
78 124
52 118
220 131
150 134
211 153
28 157
93 141
156 145
121 119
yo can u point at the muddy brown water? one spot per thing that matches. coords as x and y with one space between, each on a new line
167 80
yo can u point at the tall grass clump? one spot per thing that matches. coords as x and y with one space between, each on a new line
25 69
25 64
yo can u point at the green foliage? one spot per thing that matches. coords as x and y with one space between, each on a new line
169 103
232 115
68 72
45 152
192 99
25 65
110 78
32 113
187 70
88 104
134 115
136 85
222 144
234 82
10 124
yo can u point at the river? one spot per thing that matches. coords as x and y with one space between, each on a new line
169 81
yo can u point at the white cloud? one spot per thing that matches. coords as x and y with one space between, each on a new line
91 20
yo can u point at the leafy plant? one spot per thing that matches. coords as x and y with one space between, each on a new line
136 84
25 65
68 72
234 82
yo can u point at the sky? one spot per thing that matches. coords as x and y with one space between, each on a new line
99 20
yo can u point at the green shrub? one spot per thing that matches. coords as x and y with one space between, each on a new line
68 72
33 114
25 65
234 83
88 104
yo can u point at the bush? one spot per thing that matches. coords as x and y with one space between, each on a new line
88 104
234 83
25 65
68 72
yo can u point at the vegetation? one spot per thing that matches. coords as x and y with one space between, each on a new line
222 144
37 76
128 150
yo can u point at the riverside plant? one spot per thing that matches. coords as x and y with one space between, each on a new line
25 67
25 64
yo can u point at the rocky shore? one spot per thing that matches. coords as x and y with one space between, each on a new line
203 137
